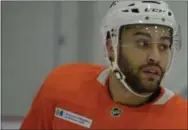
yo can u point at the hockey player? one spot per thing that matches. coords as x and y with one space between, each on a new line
140 39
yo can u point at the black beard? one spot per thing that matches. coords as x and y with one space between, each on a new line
132 78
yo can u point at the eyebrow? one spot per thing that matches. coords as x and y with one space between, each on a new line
166 38
142 33
149 36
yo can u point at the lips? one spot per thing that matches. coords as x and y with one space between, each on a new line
152 70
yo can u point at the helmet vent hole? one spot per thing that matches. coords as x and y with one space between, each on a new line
135 10
146 18
132 4
154 2
163 19
169 13
125 10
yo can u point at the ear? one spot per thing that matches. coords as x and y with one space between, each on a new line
110 49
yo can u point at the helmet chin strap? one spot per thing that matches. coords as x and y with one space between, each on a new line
115 68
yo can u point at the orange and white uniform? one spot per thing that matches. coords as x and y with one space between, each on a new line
75 96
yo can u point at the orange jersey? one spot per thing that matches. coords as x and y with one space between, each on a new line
76 96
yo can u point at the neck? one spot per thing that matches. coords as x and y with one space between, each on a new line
121 95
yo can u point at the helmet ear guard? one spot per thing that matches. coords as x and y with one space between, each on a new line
177 38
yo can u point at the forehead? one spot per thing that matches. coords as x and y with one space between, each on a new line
151 29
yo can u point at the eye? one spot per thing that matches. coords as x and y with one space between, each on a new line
164 47
142 43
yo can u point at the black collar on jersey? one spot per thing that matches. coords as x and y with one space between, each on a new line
150 99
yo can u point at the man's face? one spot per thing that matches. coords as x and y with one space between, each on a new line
143 56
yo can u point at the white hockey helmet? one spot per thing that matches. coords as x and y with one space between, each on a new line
124 13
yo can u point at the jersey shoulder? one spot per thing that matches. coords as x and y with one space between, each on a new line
179 104
77 68
169 111
170 106
72 82
171 100
177 110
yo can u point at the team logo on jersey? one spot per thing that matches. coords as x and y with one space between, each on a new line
116 112
73 117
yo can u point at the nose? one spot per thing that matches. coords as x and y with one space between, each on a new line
154 55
